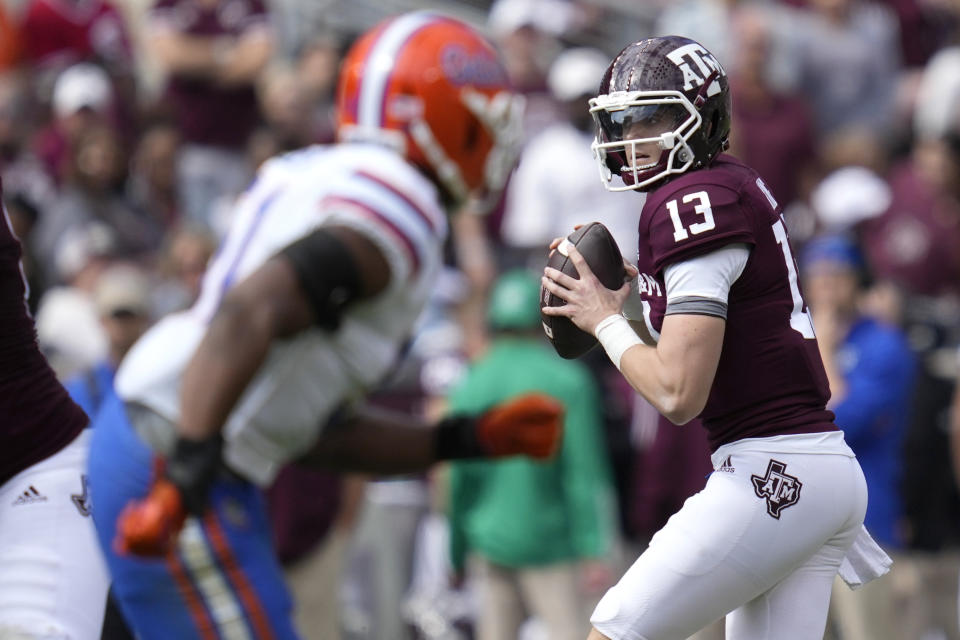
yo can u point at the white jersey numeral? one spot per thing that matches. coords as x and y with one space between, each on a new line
800 320
702 208
766 192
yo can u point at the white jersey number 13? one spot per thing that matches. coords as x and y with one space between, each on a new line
702 208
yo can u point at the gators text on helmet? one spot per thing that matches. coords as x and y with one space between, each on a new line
435 90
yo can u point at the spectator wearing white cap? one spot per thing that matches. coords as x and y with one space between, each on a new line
82 98
121 298
82 86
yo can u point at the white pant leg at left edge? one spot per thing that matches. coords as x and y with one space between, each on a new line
53 580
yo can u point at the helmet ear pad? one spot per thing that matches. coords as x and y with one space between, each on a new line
712 123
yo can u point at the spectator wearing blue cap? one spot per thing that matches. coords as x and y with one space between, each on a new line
871 371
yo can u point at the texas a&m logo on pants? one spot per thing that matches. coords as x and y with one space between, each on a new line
780 489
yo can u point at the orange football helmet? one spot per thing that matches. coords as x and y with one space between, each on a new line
434 89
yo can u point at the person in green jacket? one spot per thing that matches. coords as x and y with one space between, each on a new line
532 536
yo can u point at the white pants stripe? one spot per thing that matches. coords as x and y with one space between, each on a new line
213 584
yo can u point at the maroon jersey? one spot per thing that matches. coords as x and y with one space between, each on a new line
914 243
62 33
207 113
37 416
770 379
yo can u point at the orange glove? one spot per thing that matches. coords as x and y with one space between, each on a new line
150 526
530 424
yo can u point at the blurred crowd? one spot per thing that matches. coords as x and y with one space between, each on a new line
129 127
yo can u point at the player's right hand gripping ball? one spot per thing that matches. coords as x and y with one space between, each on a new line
602 254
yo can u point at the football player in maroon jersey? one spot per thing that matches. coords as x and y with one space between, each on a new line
53 581
726 337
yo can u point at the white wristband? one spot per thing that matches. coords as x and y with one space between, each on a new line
616 335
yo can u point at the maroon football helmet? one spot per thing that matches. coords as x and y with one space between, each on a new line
670 91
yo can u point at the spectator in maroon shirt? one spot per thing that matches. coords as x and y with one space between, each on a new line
772 130
915 242
213 52
56 34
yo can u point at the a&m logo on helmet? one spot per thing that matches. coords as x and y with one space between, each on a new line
464 68
669 91
697 65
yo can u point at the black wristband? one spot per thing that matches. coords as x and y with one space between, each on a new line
456 439
193 467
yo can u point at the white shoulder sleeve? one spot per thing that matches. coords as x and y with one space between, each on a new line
701 285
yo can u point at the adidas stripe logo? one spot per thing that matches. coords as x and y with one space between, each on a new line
29 496
727 466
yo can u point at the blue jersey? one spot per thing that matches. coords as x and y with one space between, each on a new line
878 368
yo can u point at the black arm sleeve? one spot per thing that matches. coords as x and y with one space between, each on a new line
327 273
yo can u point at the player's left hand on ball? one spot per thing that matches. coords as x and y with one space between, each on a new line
149 527
588 301
530 424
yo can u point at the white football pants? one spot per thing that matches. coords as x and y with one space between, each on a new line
53 580
762 542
